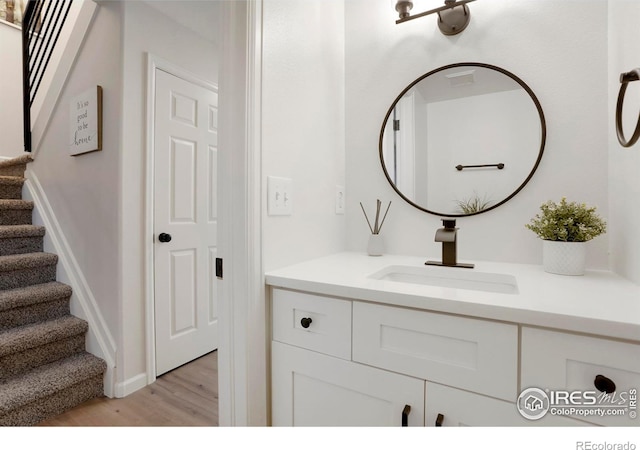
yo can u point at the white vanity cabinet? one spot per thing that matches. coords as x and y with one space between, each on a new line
317 381
352 348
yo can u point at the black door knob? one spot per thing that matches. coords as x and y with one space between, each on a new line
164 237
604 384
305 322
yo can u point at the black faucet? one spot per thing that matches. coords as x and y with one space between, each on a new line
447 235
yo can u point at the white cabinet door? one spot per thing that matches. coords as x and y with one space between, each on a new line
312 389
450 407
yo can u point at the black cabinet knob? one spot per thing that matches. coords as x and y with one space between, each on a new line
164 237
604 384
305 322
439 420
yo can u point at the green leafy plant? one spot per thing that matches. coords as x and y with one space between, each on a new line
567 221
473 204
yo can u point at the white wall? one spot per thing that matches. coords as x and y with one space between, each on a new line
83 190
11 91
624 163
559 48
303 126
145 30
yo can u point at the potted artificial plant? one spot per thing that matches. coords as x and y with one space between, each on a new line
565 227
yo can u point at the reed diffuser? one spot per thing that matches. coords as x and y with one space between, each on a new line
376 245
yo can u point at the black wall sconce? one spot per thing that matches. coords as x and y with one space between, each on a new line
453 17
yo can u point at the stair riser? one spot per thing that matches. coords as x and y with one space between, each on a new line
16 246
34 313
24 361
51 406
15 217
25 277
16 170
11 191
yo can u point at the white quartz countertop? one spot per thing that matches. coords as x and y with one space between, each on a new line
599 302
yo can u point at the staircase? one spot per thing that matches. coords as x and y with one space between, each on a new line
44 368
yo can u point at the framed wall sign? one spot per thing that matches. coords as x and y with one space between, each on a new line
85 122
12 11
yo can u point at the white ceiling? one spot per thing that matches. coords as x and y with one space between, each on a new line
201 16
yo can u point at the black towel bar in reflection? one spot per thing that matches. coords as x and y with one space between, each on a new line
625 79
499 166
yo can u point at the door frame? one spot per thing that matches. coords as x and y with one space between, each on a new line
243 370
156 63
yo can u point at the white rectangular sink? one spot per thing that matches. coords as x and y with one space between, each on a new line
456 278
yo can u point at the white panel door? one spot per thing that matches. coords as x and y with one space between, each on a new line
185 221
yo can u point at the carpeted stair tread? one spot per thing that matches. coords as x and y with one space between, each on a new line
20 231
6 204
23 159
45 381
30 295
21 239
37 334
11 181
27 261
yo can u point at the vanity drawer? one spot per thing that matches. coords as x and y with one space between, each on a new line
451 407
562 361
473 354
329 329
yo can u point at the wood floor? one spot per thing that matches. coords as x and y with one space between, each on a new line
186 396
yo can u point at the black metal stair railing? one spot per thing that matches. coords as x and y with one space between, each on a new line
41 26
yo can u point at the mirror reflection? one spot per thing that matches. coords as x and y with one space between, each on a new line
462 139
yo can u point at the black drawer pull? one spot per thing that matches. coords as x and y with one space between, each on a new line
439 420
604 384
405 415
305 322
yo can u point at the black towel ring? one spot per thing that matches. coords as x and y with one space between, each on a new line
625 79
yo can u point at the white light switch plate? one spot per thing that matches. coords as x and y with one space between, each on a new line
279 196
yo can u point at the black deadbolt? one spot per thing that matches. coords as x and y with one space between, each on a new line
164 237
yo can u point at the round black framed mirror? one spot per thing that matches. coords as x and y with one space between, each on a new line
462 139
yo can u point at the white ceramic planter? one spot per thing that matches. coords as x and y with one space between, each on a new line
376 245
564 258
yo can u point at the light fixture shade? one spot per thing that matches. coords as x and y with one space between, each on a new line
403 7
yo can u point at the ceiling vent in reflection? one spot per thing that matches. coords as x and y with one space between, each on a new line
461 78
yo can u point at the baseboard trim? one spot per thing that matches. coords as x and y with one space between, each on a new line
131 385
83 303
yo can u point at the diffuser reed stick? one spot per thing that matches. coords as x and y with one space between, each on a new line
377 226
365 216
